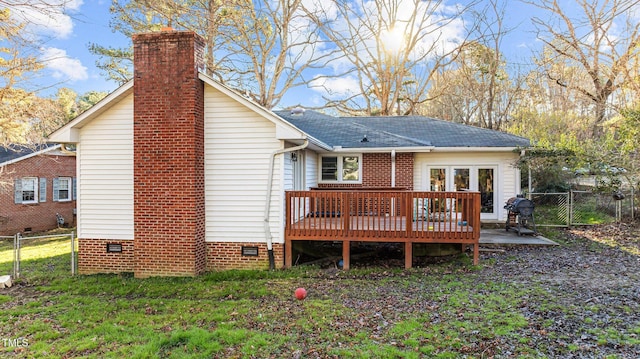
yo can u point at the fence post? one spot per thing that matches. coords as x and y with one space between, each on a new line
570 204
633 204
16 255
15 236
73 254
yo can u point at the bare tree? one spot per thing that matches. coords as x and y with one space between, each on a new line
393 49
601 42
21 110
479 88
260 48
272 44
16 64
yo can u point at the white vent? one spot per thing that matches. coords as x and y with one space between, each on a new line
298 111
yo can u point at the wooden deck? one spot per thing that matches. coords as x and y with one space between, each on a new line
382 216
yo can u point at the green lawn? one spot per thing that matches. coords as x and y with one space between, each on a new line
443 311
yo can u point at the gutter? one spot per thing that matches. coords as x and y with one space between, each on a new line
267 202
475 149
340 149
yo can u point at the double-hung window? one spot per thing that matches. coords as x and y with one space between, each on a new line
27 190
62 189
341 168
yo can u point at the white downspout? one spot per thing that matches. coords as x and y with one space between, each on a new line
393 168
393 175
267 202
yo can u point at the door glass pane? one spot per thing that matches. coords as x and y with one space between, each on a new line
438 183
438 179
485 187
461 179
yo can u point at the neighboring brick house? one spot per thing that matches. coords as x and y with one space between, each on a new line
179 174
36 184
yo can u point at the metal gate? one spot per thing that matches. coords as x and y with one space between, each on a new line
36 245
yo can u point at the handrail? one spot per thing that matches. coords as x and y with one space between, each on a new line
383 215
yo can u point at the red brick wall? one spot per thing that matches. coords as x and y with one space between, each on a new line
169 216
376 172
39 216
404 170
224 255
93 257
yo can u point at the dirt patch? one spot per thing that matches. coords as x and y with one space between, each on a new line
585 304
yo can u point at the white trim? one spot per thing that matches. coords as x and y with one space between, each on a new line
33 154
69 132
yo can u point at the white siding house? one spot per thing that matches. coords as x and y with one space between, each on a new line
245 157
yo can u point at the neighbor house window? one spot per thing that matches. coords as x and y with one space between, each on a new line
26 190
62 189
343 168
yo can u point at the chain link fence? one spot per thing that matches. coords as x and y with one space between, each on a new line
39 255
565 209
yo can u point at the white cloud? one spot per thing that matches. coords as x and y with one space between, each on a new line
46 18
63 67
335 87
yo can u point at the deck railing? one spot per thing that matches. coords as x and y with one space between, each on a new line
384 216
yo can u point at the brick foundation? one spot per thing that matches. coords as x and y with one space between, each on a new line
227 255
93 257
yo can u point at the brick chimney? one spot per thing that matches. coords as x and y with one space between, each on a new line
168 121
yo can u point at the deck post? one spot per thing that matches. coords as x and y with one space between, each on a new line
288 253
408 254
476 253
346 254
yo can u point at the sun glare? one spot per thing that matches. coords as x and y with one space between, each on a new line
393 40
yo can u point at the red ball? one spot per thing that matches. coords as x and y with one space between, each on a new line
301 293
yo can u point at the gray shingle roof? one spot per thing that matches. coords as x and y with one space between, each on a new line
397 131
14 152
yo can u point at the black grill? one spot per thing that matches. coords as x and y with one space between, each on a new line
520 216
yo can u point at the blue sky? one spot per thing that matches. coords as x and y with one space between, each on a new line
72 64
86 21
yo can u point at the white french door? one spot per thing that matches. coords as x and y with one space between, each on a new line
475 178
